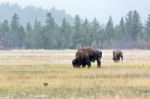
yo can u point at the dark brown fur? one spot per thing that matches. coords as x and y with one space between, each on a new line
85 56
117 55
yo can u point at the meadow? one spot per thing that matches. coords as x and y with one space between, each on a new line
24 72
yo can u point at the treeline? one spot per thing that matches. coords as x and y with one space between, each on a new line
129 33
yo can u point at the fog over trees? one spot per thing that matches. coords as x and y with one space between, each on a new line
30 13
52 33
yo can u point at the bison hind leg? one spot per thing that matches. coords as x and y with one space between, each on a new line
98 63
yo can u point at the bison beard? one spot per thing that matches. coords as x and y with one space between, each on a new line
85 56
77 63
117 54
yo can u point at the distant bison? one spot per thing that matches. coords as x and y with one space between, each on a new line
85 56
117 54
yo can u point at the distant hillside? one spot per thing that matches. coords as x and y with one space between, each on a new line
30 13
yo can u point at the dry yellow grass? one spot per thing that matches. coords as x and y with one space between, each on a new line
23 74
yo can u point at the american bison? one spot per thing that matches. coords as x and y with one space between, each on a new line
85 56
117 54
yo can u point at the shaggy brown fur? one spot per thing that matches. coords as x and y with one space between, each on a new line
117 54
85 56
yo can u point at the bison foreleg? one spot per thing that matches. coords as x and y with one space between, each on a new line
88 62
98 63
122 58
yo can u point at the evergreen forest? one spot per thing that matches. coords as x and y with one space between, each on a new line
129 33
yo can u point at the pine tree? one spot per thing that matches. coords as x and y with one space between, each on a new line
133 25
21 37
86 34
96 33
5 34
120 31
110 32
147 29
65 34
29 36
77 38
50 33
137 26
37 35
14 31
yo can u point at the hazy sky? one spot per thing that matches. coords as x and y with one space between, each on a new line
100 9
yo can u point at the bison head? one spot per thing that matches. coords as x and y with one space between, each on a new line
76 63
115 59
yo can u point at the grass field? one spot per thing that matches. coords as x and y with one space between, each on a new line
23 72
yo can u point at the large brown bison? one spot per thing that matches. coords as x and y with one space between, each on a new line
85 56
117 54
